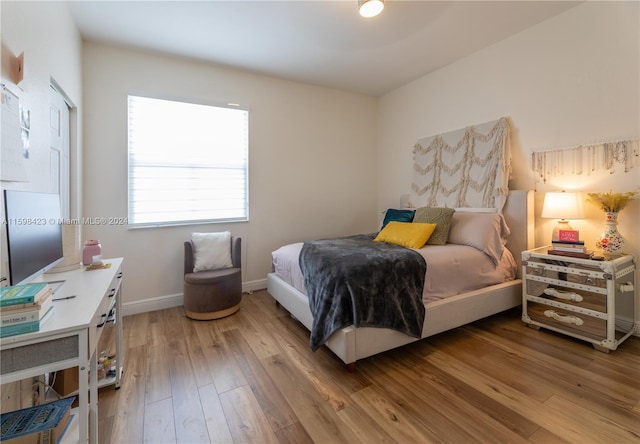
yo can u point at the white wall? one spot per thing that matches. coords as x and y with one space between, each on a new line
312 163
570 80
45 32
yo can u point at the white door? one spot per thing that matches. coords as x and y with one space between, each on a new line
59 150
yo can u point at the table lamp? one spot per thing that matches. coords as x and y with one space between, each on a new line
561 205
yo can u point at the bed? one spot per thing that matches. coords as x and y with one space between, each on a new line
443 306
443 313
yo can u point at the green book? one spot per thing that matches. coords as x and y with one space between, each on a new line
25 327
19 329
21 294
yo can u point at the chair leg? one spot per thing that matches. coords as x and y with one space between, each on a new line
212 315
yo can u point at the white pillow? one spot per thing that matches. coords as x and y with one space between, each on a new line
212 251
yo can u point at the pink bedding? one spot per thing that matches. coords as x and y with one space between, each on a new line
451 269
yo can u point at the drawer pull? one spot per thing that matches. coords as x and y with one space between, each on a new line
626 287
103 318
564 319
568 295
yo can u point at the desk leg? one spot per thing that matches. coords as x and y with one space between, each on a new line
83 387
93 398
119 332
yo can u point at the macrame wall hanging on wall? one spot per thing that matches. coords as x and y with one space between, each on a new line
468 167
586 159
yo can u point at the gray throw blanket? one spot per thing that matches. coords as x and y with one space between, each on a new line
356 281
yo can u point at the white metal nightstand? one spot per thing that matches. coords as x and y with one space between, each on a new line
588 299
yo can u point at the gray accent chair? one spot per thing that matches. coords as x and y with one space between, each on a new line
212 294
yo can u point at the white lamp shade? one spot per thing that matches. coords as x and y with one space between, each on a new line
562 205
370 8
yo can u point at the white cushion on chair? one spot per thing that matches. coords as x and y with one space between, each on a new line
212 251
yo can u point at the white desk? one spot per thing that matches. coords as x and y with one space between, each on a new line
69 338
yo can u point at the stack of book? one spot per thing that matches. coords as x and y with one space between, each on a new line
571 249
24 308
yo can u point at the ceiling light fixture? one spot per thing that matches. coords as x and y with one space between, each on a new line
370 8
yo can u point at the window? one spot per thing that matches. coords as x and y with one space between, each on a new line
188 163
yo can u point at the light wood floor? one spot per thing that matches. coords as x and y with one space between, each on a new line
251 378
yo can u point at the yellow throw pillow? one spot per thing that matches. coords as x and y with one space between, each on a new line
407 234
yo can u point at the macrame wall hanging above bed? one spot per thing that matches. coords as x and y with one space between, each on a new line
463 168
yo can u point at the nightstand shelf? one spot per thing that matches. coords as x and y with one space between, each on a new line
583 298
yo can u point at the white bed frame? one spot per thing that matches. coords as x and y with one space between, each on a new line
351 344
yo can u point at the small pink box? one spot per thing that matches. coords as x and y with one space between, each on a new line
91 248
569 235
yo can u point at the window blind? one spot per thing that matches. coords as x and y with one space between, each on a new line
188 163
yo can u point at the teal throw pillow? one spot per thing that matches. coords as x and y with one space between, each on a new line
396 215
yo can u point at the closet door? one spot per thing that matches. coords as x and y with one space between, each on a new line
59 149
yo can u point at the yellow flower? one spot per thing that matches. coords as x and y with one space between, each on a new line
610 202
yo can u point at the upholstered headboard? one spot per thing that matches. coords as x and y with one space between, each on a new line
518 213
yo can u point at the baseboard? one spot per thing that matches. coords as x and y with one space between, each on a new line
176 300
152 304
259 284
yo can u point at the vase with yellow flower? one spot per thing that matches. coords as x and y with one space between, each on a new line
610 241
